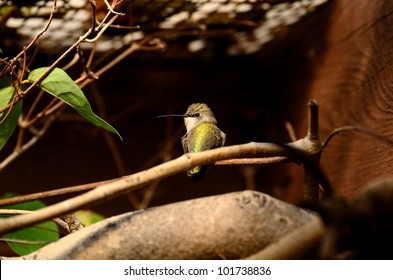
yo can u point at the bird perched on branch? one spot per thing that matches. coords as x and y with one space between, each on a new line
202 134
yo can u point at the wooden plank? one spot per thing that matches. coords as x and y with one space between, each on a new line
353 82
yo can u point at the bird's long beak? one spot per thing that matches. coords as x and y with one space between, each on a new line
164 116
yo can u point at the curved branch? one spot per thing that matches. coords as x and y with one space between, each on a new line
90 186
140 179
356 128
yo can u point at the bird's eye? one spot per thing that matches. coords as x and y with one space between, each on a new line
196 115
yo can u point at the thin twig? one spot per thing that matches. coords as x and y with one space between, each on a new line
313 130
159 45
53 193
91 55
357 128
102 30
58 221
73 61
113 147
291 131
94 16
253 161
3 118
27 242
23 65
81 39
21 94
39 34
32 107
49 110
148 195
110 8
248 172
117 26
58 105
20 149
88 72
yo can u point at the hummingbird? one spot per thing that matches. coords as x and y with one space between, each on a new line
202 134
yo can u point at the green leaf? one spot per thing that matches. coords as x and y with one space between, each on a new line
60 85
42 233
89 217
10 122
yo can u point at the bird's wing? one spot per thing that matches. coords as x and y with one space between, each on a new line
184 144
223 138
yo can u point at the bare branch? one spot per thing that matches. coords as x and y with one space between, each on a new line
253 161
313 130
39 34
52 193
58 221
55 105
27 242
20 149
102 30
110 8
159 45
359 129
140 179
